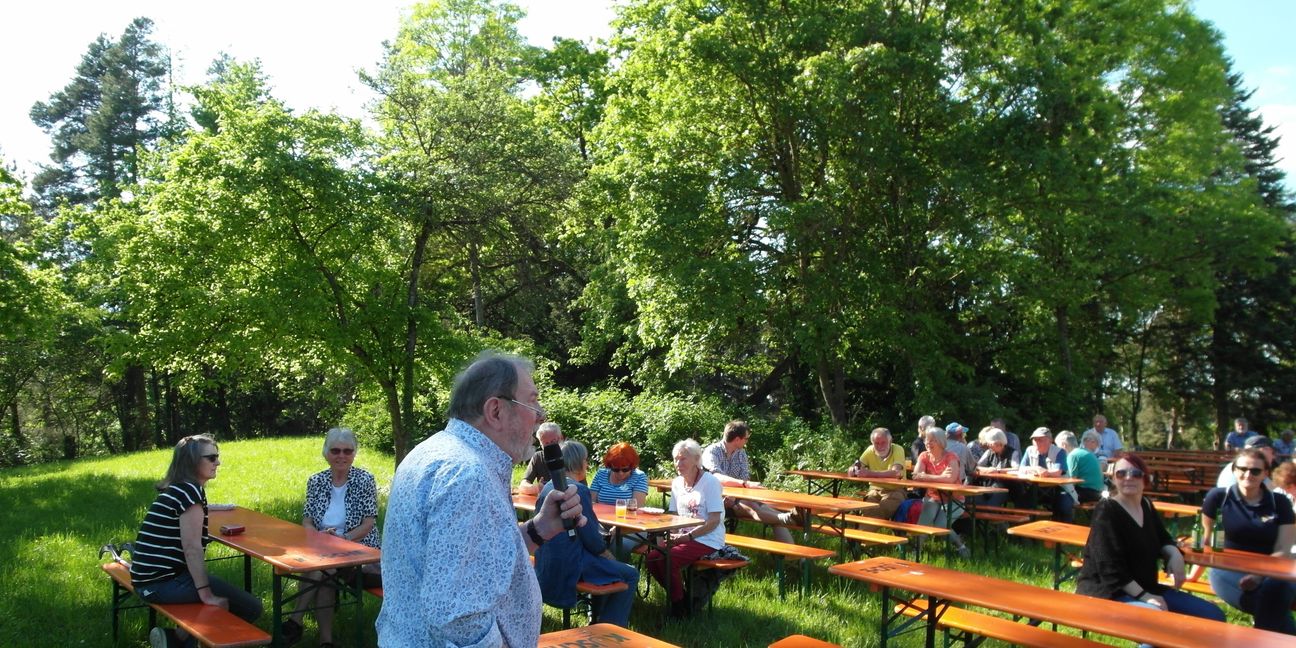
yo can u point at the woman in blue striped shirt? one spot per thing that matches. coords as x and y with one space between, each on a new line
620 477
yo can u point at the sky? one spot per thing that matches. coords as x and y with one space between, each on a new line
311 51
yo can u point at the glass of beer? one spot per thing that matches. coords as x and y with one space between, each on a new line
621 506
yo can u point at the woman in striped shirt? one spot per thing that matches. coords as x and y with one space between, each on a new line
168 561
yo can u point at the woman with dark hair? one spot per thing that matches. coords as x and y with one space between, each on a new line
620 477
1257 520
168 560
341 501
1126 541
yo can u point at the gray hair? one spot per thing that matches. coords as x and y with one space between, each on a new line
334 435
925 422
689 447
574 455
993 435
1091 435
491 374
881 431
937 435
548 426
1067 440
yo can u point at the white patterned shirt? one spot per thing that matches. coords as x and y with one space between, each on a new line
455 566
736 465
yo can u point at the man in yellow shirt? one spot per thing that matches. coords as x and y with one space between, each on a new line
882 459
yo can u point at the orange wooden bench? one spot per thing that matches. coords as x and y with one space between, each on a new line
781 550
917 533
802 641
860 536
209 625
959 620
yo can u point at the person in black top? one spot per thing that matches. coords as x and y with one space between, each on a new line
167 562
1126 541
1257 520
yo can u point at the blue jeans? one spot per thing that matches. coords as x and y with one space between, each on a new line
1270 603
181 590
615 608
1181 602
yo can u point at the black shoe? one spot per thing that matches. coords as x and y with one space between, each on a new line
291 631
679 609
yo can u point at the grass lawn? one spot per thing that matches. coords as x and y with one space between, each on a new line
54 517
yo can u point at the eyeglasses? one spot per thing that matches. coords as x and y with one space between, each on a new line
212 457
539 412
1254 472
1129 473
620 470
342 451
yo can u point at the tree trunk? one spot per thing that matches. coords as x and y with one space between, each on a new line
403 415
474 263
400 436
15 430
1219 389
832 385
155 397
132 408
223 412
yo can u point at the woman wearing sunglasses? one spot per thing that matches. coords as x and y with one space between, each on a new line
1127 540
342 501
620 477
1255 520
167 561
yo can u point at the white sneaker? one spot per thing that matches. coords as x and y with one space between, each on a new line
787 519
159 638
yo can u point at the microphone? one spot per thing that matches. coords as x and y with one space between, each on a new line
558 476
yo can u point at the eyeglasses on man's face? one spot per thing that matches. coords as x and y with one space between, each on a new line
341 451
540 413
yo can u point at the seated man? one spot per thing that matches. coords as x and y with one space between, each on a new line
727 460
1047 460
1109 442
1236 440
536 474
882 459
956 442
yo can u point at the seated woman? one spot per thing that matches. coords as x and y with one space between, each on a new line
937 465
1082 464
697 494
1259 521
620 477
1126 541
342 501
168 564
564 560
998 456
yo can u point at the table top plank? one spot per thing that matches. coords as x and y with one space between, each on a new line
288 547
1096 615
597 636
1243 561
957 489
816 503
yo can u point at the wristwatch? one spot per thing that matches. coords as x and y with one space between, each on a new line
535 535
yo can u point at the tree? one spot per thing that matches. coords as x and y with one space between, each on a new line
101 122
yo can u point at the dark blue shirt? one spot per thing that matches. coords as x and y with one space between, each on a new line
1246 527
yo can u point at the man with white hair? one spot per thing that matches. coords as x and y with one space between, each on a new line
918 446
536 474
1109 444
886 460
456 570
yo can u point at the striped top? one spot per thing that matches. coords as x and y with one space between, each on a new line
158 555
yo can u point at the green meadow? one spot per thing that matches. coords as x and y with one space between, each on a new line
54 517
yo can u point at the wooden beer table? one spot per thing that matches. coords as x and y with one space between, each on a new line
1058 534
944 587
832 508
291 550
949 493
599 635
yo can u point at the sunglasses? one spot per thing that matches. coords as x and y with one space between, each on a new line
1254 472
341 451
212 457
1129 473
620 470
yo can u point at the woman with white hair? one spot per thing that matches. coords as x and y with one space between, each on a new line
697 494
937 465
1082 464
341 501
998 457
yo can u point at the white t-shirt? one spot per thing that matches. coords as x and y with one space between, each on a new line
704 498
335 515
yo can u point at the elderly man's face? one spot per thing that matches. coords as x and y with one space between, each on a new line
1100 423
1240 426
549 436
882 444
520 421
